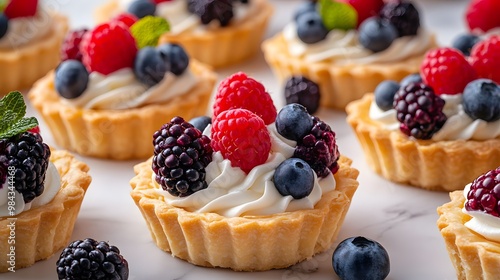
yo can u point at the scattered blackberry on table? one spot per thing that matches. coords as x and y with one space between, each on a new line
403 15
301 90
481 100
376 34
181 154
71 45
294 177
201 122
150 66
90 259
310 28
208 10
384 94
142 8
419 110
484 193
293 122
71 79
465 42
412 78
177 57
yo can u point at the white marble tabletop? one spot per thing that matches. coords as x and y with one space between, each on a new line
401 218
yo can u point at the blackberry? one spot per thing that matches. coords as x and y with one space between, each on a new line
181 154
419 110
403 15
89 259
319 148
301 90
484 193
208 10
29 156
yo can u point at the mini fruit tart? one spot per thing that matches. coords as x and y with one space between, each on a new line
470 226
30 38
41 190
436 130
109 95
347 47
218 33
247 189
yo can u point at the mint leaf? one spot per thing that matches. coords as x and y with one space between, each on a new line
336 15
12 111
3 5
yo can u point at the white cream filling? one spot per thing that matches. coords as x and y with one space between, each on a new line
484 224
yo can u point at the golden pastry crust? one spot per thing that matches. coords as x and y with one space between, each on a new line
42 231
473 256
249 243
23 66
339 84
117 134
432 165
218 47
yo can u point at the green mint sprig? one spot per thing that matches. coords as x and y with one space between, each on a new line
337 15
12 120
147 30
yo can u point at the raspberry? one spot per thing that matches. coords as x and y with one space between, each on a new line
21 8
241 91
160 1
181 154
419 110
107 48
242 138
208 10
71 45
483 15
446 70
319 149
484 193
403 15
365 8
485 58
126 18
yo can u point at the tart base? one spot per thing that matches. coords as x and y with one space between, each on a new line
473 256
117 134
438 166
248 243
42 231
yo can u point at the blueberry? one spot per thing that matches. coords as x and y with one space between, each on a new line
179 60
376 34
142 8
304 8
384 94
150 66
71 79
4 25
310 28
201 122
293 122
360 258
412 78
481 100
294 177
465 42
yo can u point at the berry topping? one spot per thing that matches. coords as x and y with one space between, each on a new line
242 137
107 48
481 100
20 149
403 15
4 25
176 55
365 8
201 122
302 91
337 15
181 154
376 34
147 30
412 78
304 8
71 79
241 91
90 259
21 8
419 111
294 177
126 18
208 10
465 42
384 94
71 45
482 15
142 8
310 28
160 1
484 193
150 66
361 258
319 149
293 122
485 58
446 70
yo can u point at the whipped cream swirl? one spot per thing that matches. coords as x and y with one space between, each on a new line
484 224
232 193
343 47
459 125
51 187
